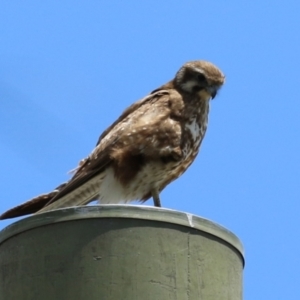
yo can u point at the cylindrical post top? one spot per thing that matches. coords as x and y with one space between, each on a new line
128 212
119 252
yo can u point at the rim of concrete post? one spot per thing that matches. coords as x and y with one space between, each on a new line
124 211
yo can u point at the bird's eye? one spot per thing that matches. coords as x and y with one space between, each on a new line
201 77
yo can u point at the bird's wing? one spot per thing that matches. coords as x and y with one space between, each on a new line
148 127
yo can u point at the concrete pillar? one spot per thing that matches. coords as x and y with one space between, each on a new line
119 252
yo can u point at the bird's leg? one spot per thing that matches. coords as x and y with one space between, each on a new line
156 199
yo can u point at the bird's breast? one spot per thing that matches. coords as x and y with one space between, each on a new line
193 134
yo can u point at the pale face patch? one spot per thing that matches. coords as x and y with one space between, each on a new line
189 85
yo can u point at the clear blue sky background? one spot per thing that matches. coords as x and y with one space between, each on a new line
69 68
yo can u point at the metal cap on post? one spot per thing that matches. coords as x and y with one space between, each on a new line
115 252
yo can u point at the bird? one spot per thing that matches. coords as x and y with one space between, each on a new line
151 144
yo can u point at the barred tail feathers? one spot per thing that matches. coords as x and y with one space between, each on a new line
84 194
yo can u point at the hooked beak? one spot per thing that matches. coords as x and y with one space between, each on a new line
213 90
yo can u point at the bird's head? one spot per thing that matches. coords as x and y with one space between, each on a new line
200 77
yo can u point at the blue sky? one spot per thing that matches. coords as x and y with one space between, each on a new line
69 68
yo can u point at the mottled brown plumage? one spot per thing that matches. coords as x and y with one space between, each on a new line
151 144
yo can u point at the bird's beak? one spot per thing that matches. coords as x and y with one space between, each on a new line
213 94
213 90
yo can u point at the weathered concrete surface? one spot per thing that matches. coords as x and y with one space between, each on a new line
119 252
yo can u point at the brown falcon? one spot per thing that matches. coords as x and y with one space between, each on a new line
151 144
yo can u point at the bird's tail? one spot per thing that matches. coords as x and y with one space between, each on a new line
31 206
82 195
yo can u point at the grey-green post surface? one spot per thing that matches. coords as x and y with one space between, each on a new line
114 252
